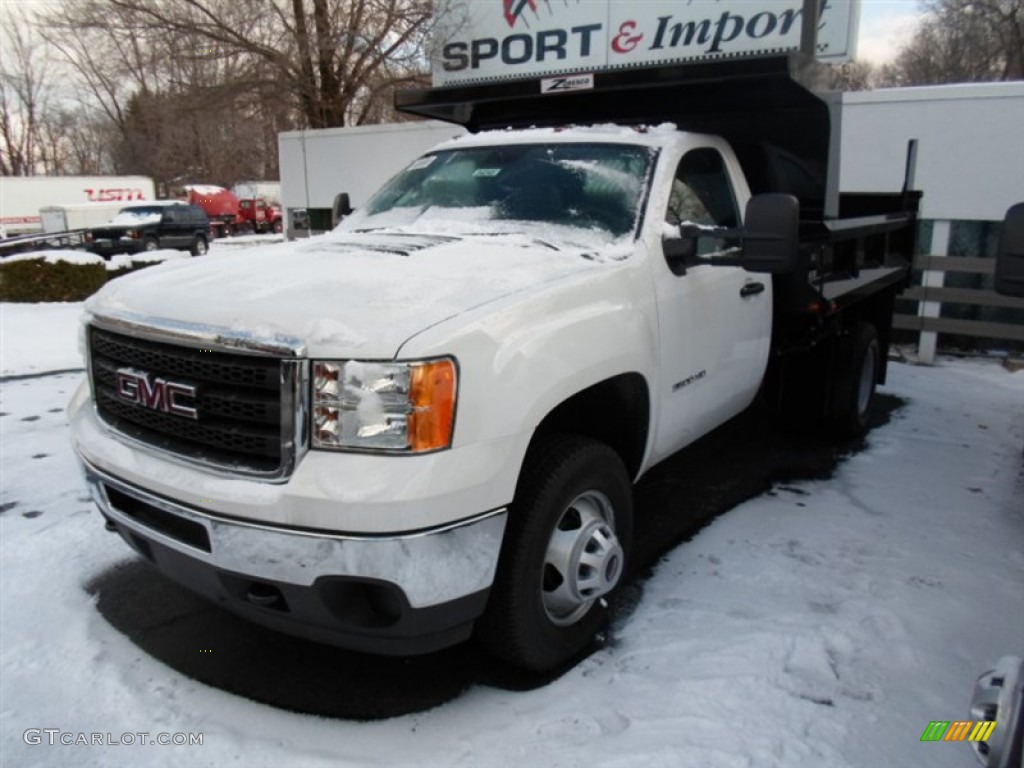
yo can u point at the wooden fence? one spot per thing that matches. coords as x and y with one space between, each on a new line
932 294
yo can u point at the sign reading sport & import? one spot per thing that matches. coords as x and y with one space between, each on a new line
487 40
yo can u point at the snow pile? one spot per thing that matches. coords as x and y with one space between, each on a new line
118 261
52 256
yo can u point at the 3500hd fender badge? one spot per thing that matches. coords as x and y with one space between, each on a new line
133 386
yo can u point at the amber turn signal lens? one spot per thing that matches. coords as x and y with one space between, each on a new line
432 396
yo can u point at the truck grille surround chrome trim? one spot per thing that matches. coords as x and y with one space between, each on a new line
250 404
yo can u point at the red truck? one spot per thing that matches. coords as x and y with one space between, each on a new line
221 206
258 215
229 215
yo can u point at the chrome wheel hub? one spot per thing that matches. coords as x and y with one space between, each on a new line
583 561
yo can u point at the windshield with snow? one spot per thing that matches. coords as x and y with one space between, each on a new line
597 187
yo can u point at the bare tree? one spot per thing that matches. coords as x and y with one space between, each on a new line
182 108
854 75
197 90
86 141
331 56
963 41
24 94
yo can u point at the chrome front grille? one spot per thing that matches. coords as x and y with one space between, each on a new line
244 404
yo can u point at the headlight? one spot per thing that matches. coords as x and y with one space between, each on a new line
399 407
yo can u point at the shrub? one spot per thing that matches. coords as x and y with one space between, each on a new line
36 280
33 280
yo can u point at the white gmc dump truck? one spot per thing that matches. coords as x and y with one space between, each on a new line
427 422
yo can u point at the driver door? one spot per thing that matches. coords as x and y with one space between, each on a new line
715 322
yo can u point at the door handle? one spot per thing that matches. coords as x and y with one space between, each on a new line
751 289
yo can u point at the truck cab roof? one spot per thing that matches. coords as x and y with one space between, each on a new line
602 133
773 110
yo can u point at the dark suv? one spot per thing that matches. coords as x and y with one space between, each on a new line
149 226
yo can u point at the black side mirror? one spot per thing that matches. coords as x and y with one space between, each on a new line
679 251
771 234
341 208
1010 256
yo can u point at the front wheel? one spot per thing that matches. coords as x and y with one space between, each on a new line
565 549
199 247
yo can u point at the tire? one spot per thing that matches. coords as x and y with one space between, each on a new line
199 246
150 244
278 227
565 549
855 387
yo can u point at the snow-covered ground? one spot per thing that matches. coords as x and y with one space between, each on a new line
48 346
823 625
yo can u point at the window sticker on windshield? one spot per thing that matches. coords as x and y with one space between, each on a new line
486 173
423 162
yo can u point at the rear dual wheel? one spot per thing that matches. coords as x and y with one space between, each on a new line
858 376
564 551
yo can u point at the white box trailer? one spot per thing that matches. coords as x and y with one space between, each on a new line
969 161
67 218
317 165
21 197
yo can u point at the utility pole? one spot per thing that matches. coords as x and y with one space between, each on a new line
809 28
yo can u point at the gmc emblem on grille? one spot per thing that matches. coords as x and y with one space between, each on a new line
135 387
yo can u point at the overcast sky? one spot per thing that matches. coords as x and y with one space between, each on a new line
885 25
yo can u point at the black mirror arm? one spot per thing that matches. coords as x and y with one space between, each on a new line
681 252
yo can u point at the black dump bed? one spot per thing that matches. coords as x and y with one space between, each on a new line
782 120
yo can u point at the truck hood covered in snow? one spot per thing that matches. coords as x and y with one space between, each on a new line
351 294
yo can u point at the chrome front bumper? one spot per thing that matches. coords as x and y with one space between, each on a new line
431 567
